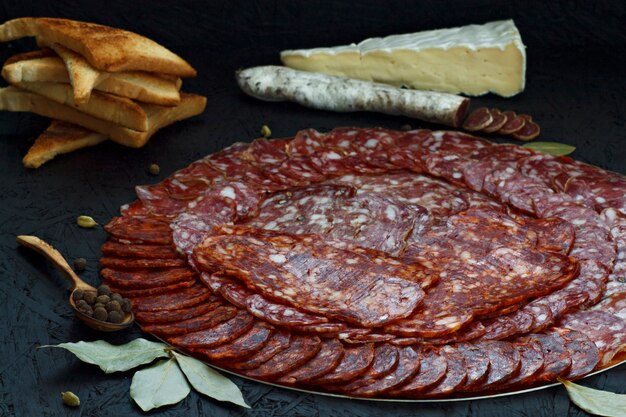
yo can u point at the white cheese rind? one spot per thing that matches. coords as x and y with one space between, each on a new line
474 59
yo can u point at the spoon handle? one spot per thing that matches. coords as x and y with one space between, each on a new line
55 257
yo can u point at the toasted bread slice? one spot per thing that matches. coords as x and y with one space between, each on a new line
117 110
105 48
59 138
46 66
83 76
19 100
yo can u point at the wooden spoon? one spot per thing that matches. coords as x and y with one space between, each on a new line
61 264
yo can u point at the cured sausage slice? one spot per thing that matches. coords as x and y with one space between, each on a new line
205 321
145 292
472 331
120 250
246 345
433 368
513 123
313 276
456 374
173 300
542 315
504 363
408 366
324 362
355 362
606 330
279 340
138 263
478 119
499 120
477 364
385 362
147 278
499 328
139 230
222 333
280 314
301 349
557 358
584 353
175 315
531 356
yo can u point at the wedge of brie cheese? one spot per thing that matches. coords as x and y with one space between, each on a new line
472 60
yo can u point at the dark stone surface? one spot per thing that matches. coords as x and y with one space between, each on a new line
576 90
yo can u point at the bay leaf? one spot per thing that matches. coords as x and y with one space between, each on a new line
597 402
208 381
114 358
159 385
552 148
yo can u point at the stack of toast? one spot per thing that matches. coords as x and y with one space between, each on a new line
95 82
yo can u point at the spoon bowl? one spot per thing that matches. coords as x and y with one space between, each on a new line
61 264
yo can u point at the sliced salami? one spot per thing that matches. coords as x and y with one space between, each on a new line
327 359
173 300
176 315
355 362
584 353
146 292
244 346
301 349
138 263
306 288
222 333
531 356
606 330
385 362
557 358
433 369
279 340
120 250
499 328
477 362
504 363
204 321
408 366
147 278
280 314
139 230
456 374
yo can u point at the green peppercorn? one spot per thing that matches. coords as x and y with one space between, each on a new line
154 169
115 317
265 131
90 297
100 313
86 222
70 399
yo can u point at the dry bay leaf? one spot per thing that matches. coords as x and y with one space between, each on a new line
597 402
208 381
114 358
552 148
159 385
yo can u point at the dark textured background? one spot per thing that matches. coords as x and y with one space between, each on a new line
576 90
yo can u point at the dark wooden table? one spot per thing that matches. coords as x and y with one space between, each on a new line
576 90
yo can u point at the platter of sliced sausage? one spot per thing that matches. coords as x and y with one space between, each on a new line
382 264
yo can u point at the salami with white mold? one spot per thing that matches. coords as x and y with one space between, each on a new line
327 92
